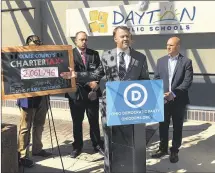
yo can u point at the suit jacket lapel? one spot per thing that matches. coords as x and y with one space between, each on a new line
112 65
132 61
88 57
114 55
78 58
166 68
166 63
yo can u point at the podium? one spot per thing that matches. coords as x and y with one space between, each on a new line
126 148
127 107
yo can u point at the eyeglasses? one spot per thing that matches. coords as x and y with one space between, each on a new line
37 42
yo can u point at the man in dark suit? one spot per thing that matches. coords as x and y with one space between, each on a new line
85 60
120 64
177 74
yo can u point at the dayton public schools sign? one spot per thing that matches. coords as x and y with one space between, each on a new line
134 102
159 18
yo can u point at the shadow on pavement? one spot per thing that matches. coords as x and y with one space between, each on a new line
42 169
196 153
45 169
66 146
187 131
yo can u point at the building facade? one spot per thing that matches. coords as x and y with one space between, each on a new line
49 20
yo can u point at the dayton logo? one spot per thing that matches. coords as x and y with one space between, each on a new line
98 21
154 16
168 15
171 15
135 95
163 19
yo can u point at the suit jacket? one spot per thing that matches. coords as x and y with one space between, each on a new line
92 62
182 77
108 70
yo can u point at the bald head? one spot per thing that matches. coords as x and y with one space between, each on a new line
173 46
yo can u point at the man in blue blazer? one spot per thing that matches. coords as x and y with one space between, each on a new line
177 73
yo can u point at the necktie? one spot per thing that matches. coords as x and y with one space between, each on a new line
122 67
83 57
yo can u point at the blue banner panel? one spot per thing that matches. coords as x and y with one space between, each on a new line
134 102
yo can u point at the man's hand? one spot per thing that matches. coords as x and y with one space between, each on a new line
169 96
93 84
69 75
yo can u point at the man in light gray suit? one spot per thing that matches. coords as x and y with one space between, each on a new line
120 64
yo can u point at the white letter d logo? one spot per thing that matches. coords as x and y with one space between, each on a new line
135 93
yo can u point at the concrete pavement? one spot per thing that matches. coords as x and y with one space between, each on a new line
197 153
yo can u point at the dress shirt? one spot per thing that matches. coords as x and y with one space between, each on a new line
171 68
80 51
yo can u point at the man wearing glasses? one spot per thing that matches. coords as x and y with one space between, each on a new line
33 112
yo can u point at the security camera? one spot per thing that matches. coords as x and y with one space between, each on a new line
143 5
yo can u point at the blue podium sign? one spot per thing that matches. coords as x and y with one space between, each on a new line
134 102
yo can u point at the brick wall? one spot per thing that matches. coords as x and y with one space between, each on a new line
199 115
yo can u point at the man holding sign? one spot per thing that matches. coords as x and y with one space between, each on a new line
33 111
120 64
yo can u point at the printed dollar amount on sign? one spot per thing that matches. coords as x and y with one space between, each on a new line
42 72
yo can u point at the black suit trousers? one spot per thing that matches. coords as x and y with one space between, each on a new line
176 111
78 109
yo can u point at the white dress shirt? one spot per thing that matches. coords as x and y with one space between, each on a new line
80 51
127 57
171 68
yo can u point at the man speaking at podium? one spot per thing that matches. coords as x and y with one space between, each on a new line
120 64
